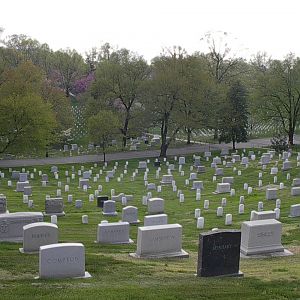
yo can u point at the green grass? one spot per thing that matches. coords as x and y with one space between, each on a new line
117 276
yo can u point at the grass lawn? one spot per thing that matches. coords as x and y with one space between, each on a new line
115 275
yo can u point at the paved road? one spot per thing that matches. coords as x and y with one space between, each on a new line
196 148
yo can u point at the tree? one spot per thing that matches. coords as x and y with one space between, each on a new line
69 66
102 128
223 63
81 85
95 56
26 122
119 83
198 91
21 48
60 106
165 91
1 31
277 91
234 118
224 66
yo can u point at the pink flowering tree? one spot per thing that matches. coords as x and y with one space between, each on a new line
82 84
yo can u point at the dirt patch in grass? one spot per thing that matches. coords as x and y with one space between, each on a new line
6 275
294 249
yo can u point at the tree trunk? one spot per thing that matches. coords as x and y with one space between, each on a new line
124 131
216 134
164 132
189 133
233 143
104 156
163 150
291 137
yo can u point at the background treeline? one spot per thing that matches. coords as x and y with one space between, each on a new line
124 95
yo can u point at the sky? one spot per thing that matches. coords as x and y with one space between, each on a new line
148 26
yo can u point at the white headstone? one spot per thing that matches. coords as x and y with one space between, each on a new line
155 206
200 223
261 237
113 233
38 234
65 260
159 241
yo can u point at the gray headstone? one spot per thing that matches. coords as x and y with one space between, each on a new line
11 225
130 215
295 211
109 208
64 260
261 237
54 206
160 242
38 234
155 206
160 219
113 233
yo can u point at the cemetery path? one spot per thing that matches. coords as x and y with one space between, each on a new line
255 143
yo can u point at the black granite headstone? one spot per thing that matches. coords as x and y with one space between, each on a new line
100 200
219 253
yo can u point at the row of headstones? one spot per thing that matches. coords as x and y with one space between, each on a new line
216 161
224 187
54 206
255 215
54 169
156 206
160 241
143 165
270 194
23 183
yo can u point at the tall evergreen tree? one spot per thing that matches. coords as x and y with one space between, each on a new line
234 119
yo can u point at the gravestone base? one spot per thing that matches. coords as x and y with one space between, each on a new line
263 251
285 252
290 216
62 214
217 193
86 275
130 241
21 250
239 274
134 223
181 254
111 214
12 240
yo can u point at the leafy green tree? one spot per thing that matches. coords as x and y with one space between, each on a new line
198 91
277 91
119 82
234 118
95 56
27 122
21 48
225 66
60 106
102 128
69 66
165 92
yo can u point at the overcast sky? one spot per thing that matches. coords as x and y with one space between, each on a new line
146 26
